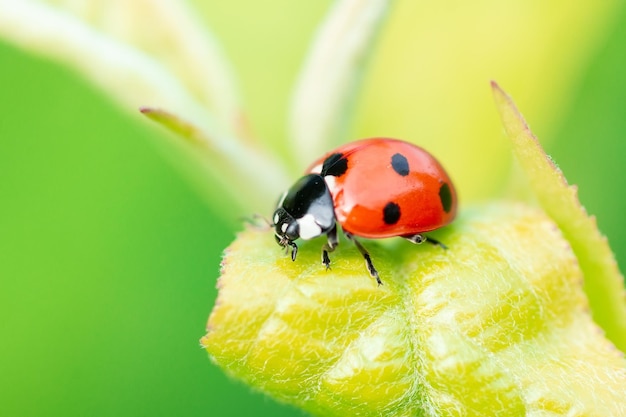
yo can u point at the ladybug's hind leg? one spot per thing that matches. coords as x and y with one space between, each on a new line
329 246
419 238
368 260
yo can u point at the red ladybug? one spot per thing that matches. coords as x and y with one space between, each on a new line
373 188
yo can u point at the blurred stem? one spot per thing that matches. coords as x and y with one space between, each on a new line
329 82
246 173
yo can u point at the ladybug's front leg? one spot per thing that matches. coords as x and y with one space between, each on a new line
294 250
329 246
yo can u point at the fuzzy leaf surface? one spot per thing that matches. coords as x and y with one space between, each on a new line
498 324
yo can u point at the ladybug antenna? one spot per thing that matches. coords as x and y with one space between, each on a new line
257 221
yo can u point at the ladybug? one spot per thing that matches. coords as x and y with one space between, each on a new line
373 188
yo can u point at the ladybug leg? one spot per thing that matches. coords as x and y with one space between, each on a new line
329 246
286 244
436 242
368 260
419 238
294 250
416 239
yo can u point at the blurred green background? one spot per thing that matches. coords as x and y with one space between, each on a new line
108 257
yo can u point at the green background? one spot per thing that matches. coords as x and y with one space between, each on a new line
108 257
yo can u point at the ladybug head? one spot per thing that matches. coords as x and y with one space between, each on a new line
287 228
305 211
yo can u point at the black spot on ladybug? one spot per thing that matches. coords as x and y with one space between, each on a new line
335 165
391 213
446 197
400 164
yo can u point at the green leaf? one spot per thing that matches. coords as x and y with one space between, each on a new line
604 284
497 324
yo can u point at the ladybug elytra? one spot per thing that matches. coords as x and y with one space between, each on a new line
373 188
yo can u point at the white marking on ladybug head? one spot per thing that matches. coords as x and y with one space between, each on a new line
276 218
317 169
331 182
309 227
283 228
